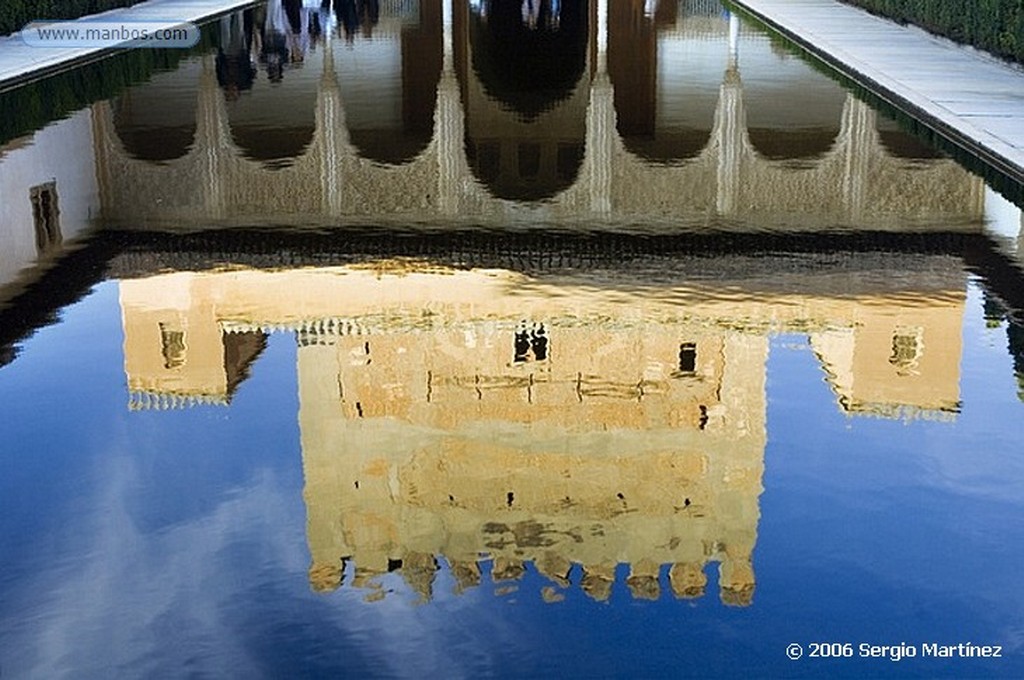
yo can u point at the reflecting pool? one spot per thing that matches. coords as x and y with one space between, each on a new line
489 339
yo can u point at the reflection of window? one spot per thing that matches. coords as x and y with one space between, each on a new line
906 350
46 216
530 343
569 158
688 358
529 160
488 161
172 342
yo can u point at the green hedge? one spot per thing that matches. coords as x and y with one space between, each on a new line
14 14
996 26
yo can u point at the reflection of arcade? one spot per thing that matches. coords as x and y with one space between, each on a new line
412 129
462 413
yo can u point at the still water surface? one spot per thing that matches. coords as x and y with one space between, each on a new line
346 347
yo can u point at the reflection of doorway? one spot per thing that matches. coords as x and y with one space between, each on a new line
45 216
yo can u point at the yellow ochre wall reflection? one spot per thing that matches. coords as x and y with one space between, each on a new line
470 413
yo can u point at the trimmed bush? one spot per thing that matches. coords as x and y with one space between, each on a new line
996 26
14 14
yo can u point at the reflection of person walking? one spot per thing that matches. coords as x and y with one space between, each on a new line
235 69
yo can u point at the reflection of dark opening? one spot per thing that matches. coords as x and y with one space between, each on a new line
487 160
540 344
530 343
277 147
172 346
633 68
45 216
905 352
570 156
529 60
667 146
521 346
148 142
903 144
806 143
688 357
529 160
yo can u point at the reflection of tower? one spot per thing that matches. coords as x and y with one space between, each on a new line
612 446
176 353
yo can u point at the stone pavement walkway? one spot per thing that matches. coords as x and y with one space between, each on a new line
20 63
969 97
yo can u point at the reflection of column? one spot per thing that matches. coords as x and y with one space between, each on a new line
601 121
600 130
330 123
730 126
734 41
858 135
103 150
211 137
450 123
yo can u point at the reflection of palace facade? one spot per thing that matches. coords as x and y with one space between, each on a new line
471 413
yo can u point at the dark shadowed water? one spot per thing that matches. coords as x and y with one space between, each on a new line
560 339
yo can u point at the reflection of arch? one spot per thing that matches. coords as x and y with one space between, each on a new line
396 124
524 168
660 119
529 60
272 118
275 123
156 121
902 144
792 111
525 133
